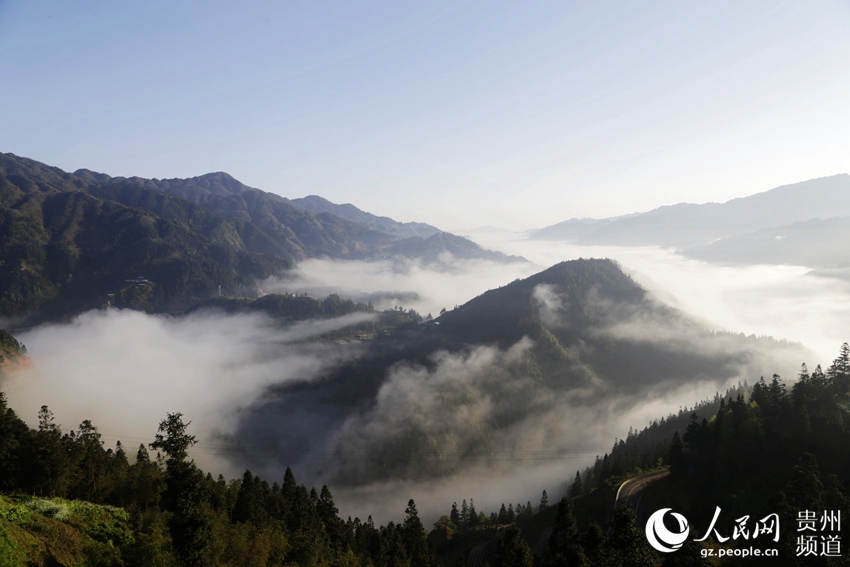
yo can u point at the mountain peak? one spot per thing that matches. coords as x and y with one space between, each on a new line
220 182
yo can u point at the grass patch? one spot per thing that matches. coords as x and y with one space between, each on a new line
55 531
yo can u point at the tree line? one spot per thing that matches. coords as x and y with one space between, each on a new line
181 516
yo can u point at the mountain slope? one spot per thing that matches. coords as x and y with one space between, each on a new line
65 246
814 243
383 224
503 372
434 247
688 224
311 234
76 241
311 226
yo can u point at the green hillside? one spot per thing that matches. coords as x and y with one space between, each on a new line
54 531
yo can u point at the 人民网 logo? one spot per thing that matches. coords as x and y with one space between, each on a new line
660 537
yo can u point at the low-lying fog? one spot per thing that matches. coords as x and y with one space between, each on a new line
125 370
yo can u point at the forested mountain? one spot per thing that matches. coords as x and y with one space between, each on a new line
579 334
436 246
772 447
686 225
383 224
307 234
772 451
69 242
415 239
66 247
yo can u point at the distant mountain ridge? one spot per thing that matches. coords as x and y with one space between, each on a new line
685 225
383 224
312 226
72 241
307 234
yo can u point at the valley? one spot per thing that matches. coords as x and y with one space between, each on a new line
386 365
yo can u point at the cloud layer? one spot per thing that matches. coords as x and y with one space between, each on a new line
125 370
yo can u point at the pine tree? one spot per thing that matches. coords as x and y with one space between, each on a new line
454 515
627 545
414 538
14 444
512 550
576 489
51 466
190 524
544 498
473 515
328 514
464 515
593 543
145 482
564 546
117 469
247 507
92 465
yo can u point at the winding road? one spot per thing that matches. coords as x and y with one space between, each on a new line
630 491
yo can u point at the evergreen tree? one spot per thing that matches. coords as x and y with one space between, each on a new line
473 515
454 515
51 466
414 538
593 542
396 554
564 546
676 456
544 499
512 550
248 506
118 468
190 524
329 516
92 463
805 490
14 445
145 482
576 489
627 545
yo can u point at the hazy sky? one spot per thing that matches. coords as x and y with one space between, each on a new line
454 113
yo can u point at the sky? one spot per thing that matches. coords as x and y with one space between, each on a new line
460 114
